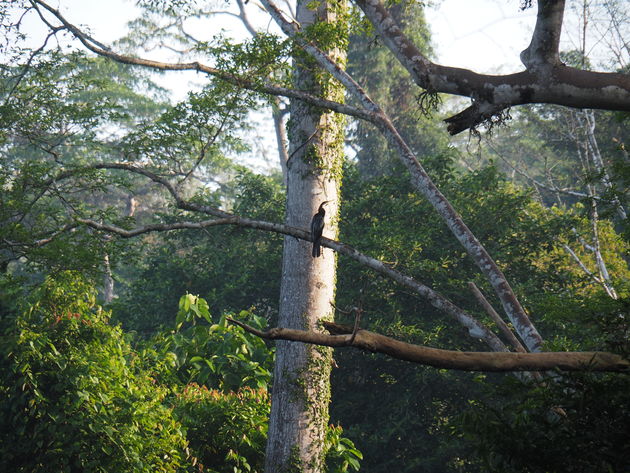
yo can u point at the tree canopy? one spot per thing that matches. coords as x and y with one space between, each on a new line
110 191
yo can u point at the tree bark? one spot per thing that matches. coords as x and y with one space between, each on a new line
301 382
108 281
546 80
344 336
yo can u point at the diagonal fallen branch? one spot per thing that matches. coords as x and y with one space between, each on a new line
344 336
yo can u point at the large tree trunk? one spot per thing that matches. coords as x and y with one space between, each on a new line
301 385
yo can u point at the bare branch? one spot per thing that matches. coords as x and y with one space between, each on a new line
475 328
491 94
44 240
538 184
505 330
542 51
245 19
157 227
447 359
240 81
594 154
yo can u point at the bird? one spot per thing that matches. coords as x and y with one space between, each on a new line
317 227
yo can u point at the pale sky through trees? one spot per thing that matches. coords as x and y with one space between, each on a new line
483 35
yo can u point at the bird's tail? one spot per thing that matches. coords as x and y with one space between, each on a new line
316 249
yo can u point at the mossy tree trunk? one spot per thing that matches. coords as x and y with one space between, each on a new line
301 384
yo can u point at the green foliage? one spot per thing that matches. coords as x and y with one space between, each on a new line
65 100
77 397
65 111
227 430
400 415
57 114
72 398
220 355
257 58
224 405
204 126
228 266
341 453
574 423
387 220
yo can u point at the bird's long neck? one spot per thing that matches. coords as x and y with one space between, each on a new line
321 210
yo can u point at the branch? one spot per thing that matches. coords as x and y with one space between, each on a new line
26 67
447 359
552 188
239 81
41 241
542 51
158 227
505 330
475 328
594 154
491 94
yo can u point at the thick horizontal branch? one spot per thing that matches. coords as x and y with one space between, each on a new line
448 359
555 83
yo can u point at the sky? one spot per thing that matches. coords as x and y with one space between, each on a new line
484 35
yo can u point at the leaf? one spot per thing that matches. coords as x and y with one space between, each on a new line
354 463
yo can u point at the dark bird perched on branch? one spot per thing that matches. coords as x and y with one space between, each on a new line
317 227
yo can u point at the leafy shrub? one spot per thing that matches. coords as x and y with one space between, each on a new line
72 397
227 425
227 431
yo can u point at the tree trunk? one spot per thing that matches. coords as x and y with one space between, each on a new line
108 281
301 384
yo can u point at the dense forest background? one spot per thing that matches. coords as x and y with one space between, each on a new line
116 353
